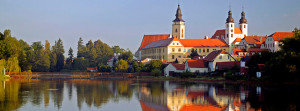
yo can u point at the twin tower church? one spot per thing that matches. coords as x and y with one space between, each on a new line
176 47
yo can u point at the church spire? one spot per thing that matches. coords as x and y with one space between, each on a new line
178 15
229 19
243 19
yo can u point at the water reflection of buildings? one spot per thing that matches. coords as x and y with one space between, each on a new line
203 97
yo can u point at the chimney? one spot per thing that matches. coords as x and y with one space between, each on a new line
260 39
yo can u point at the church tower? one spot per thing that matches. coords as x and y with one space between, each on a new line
178 28
229 33
244 25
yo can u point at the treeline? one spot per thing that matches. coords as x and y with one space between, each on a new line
281 66
19 56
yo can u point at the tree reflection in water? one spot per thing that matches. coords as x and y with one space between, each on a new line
158 95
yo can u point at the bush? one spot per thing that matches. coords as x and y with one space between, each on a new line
156 72
230 75
187 74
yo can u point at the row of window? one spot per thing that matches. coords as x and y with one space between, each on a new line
271 45
155 57
190 50
150 51
173 56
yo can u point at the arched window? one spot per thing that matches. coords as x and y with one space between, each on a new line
244 26
175 30
231 25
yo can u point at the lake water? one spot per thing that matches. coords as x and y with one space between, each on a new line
133 95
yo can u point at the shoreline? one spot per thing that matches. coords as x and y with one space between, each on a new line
175 79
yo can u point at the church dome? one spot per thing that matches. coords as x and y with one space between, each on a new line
229 19
243 19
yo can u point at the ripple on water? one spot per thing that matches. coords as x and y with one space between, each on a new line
52 89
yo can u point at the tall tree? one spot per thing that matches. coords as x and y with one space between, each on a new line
59 54
70 53
41 62
80 48
23 58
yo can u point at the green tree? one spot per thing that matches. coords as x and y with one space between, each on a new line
41 60
80 63
103 51
81 49
23 58
70 53
156 72
155 64
104 68
12 65
193 53
122 66
117 49
53 60
286 61
127 56
59 54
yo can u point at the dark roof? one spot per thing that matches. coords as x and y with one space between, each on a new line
243 19
160 43
211 56
230 19
227 65
178 15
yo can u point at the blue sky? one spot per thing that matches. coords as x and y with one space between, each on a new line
124 22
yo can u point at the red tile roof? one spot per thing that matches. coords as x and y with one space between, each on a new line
188 43
196 63
147 39
254 39
281 35
256 50
202 43
201 108
227 65
237 40
235 51
238 31
179 66
211 56
258 44
222 32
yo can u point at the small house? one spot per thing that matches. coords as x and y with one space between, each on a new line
196 66
217 56
174 68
